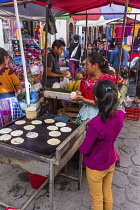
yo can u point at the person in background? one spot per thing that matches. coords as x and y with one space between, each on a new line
9 84
53 69
101 47
137 97
96 69
89 49
95 49
98 145
74 55
114 57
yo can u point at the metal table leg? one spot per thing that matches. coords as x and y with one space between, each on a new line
80 171
51 186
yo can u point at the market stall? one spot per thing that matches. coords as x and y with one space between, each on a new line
37 156
34 161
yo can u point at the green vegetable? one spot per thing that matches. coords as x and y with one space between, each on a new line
57 90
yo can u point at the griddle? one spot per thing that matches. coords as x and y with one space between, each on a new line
38 145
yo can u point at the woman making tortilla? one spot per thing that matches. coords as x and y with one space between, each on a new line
9 85
97 69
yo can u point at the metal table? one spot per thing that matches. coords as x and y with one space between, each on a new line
39 164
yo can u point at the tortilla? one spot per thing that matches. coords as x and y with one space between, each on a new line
54 133
5 137
53 141
60 124
32 135
66 129
20 122
29 127
17 140
17 133
49 121
36 122
73 94
52 128
5 130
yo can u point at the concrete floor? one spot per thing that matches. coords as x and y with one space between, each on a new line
15 188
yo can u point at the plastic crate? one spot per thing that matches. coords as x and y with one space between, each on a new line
132 113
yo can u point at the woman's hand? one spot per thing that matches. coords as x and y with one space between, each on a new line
78 96
78 93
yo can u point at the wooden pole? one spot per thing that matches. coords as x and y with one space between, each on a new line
85 54
122 37
46 42
132 46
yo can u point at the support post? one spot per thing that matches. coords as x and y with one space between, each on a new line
132 46
27 84
85 55
46 43
51 186
122 37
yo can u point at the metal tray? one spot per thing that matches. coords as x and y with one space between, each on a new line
39 145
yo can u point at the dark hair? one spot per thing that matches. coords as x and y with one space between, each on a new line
58 43
119 46
76 37
97 57
89 44
3 53
106 93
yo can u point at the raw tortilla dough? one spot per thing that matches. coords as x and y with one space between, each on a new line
66 129
17 140
60 124
49 121
20 122
53 141
54 133
52 128
32 135
5 137
29 127
36 122
73 94
17 133
5 130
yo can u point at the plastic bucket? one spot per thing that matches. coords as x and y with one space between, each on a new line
36 180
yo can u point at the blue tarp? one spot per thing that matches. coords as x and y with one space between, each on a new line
113 8
1 1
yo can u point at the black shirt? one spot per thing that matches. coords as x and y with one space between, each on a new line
53 62
78 52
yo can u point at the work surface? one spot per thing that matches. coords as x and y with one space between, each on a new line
15 188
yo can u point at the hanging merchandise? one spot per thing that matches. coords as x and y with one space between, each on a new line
37 31
51 23
33 58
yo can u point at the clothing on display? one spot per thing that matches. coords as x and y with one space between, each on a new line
33 58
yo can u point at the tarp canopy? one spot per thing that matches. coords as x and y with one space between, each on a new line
73 6
31 12
114 9
100 22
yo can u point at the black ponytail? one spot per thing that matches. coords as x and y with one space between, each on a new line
106 93
3 53
97 57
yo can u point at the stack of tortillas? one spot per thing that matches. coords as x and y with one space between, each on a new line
31 113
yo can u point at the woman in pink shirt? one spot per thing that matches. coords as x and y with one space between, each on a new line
98 145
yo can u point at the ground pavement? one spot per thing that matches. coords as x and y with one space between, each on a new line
15 187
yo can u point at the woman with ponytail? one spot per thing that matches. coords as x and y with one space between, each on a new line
9 85
98 145
97 69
